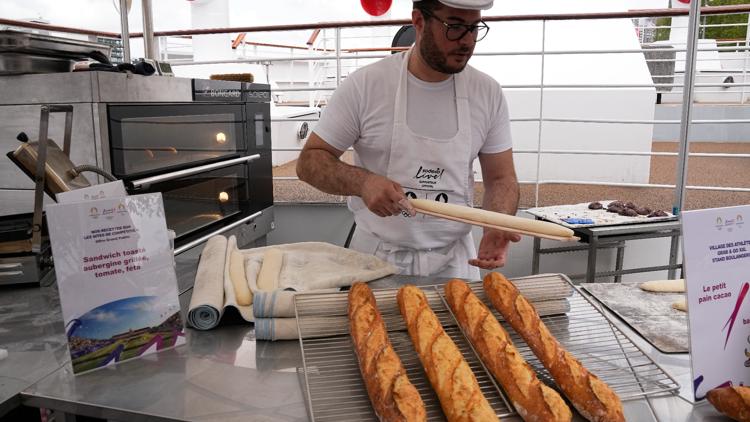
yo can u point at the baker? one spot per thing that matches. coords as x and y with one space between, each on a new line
417 120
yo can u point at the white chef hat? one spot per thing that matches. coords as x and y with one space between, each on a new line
467 4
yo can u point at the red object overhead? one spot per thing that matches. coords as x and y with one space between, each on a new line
376 7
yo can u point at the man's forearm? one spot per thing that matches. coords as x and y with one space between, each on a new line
327 173
501 195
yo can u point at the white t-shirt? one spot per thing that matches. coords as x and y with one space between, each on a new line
360 112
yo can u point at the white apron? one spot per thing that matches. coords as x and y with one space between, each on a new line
426 168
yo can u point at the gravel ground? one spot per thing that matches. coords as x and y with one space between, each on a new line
702 171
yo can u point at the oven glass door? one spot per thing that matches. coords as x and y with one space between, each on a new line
163 137
213 198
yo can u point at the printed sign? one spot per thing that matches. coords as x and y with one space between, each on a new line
716 244
116 279
105 190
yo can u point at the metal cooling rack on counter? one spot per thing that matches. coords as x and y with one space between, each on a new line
335 390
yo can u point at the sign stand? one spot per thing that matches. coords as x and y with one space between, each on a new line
716 245
116 278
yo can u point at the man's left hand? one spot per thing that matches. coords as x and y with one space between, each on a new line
493 249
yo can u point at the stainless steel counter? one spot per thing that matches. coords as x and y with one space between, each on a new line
219 375
31 330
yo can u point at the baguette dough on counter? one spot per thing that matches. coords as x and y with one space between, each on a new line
680 305
664 286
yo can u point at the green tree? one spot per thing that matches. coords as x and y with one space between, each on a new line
738 31
738 22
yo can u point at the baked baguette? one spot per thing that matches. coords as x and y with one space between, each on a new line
593 399
450 375
731 401
491 217
393 397
534 401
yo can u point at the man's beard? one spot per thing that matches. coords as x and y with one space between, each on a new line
434 58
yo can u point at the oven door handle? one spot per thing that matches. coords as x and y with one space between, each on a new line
228 227
146 182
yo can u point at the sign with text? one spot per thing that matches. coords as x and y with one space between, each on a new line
116 279
101 191
716 245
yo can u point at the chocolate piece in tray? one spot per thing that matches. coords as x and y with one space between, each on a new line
628 209
658 213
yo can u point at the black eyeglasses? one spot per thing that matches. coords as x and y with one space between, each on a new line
456 31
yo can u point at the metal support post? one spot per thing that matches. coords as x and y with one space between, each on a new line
338 57
687 106
124 31
148 31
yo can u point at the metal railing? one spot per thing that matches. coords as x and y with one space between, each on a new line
705 87
703 82
694 55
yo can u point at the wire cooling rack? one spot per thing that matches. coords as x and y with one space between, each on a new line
333 383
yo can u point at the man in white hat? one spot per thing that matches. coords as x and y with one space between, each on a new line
417 120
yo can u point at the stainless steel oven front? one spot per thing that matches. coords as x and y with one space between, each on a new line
210 160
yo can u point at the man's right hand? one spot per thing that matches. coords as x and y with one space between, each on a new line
381 195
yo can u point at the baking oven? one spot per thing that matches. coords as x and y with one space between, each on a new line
210 159
204 144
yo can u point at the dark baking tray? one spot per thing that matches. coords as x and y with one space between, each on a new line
649 314
554 214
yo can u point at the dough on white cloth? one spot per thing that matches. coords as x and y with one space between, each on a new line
230 299
318 265
270 269
305 267
237 275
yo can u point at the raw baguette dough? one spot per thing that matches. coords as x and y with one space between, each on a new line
493 218
533 400
680 305
449 374
731 401
593 399
664 286
237 275
268 277
393 397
